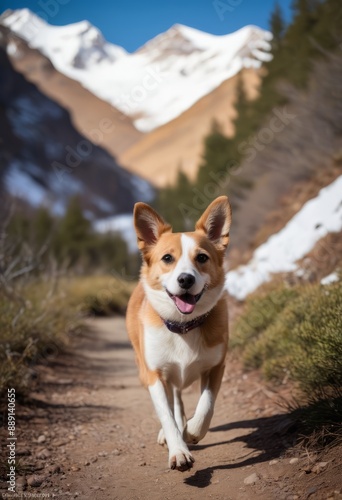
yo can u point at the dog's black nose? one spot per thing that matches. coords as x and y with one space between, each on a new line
186 280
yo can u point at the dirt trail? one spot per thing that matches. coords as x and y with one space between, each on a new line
100 434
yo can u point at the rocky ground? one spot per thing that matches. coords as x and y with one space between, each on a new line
90 433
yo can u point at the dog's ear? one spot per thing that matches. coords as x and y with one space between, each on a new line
215 222
149 226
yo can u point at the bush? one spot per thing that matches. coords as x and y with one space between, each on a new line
296 331
98 295
261 311
37 322
34 326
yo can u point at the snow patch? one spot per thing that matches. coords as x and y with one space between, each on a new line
331 278
22 185
122 224
318 217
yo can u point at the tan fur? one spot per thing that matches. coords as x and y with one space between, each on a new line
138 308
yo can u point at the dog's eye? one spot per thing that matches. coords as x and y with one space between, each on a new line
202 258
167 258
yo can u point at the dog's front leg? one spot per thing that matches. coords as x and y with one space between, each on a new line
198 425
179 455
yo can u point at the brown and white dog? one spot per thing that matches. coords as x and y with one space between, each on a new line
177 320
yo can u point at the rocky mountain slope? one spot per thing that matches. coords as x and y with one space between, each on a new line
44 159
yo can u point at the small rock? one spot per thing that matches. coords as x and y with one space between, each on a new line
273 462
142 464
41 439
87 462
53 469
22 452
116 452
74 468
319 467
142 445
35 480
294 461
102 453
65 381
39 466
252 479
59 442
311 491
43 454
21 483
93 460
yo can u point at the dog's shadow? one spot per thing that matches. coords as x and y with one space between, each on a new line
270 435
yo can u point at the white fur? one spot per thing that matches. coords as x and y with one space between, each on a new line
179 454
166 308
185 265
198 425
180 358
161 301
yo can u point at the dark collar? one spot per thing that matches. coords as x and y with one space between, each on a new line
182 328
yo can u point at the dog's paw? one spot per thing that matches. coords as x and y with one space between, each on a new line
194 431
161 438
181 459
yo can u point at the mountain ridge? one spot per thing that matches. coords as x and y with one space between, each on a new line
151 85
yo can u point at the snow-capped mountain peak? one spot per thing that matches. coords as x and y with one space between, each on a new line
79 45
159 81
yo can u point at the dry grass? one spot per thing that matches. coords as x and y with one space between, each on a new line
39 320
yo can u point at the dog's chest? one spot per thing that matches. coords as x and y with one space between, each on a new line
180 358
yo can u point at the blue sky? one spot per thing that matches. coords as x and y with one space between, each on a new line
131 23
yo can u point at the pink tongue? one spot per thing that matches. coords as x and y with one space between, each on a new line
185 303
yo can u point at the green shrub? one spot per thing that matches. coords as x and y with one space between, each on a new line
297 332
261 311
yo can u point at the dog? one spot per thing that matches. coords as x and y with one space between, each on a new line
177 320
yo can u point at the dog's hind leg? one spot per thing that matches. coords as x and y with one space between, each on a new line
178 410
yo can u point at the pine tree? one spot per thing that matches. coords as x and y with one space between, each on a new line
43 227
277 26
171 197
74 233
216 156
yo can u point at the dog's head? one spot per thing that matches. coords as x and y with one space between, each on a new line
183 272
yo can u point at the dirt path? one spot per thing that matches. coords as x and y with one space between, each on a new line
91 434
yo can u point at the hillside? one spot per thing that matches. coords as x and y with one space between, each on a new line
45 160
317 218
178 144
93 117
